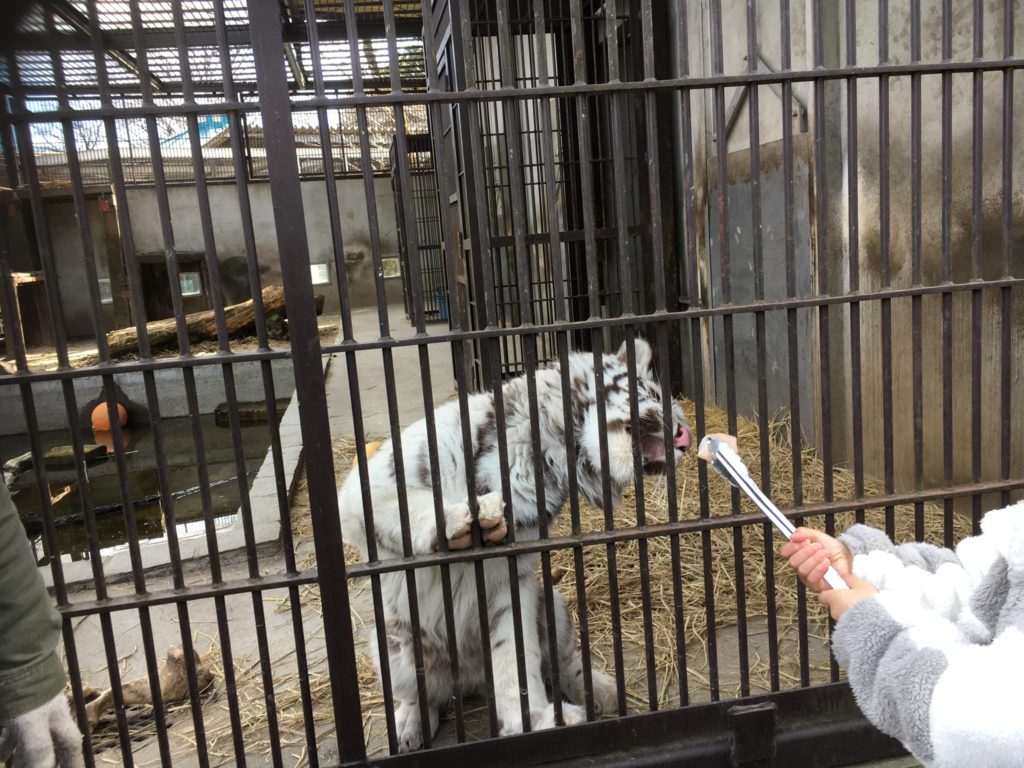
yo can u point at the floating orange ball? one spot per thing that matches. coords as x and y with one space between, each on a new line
101 417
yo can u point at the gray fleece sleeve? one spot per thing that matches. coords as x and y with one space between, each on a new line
860 539
892 678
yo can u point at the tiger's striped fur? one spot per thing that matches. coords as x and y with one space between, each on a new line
585 430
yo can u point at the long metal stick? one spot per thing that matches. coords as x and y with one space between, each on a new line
726 462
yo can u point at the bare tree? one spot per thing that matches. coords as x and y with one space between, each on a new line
51 137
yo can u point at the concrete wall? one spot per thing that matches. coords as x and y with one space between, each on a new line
853 251
973 234
50 412
66 242
230 233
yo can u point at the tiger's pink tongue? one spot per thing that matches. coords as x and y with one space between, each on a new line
683 439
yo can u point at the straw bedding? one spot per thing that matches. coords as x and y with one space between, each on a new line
654 556
706 586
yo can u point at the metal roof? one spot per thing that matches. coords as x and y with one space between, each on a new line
143 37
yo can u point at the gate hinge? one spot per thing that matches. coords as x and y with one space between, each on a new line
753 734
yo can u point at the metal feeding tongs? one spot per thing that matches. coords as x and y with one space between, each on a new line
720 452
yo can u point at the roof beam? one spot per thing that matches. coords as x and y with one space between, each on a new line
80 22
290 49
217 88
201 36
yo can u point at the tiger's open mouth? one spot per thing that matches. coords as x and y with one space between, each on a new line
652 448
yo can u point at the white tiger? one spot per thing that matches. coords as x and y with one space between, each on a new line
648 430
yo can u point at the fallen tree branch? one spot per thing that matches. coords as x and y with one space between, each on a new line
240 319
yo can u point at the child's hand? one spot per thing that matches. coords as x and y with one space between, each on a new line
838 600
810 552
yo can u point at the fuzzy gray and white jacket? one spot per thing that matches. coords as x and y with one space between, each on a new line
936 659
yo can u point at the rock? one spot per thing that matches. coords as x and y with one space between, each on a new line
63 456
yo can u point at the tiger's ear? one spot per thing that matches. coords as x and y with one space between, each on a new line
644 356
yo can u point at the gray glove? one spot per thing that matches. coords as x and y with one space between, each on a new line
43 737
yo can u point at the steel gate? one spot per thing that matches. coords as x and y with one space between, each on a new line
428 228
877 368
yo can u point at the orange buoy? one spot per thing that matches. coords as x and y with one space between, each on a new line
101 417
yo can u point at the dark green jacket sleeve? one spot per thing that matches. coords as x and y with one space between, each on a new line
30 671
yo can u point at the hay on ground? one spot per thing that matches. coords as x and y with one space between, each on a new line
653 608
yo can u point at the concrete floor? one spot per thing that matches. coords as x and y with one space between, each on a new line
272 619
370 367
250 622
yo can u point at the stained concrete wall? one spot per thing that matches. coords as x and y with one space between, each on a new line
854 251
974 235
50 413
229 233
66 243
147 237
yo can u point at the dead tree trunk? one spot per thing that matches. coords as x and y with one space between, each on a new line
239 318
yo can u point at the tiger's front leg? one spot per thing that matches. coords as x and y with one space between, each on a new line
506 667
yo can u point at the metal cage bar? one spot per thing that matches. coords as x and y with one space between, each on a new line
590 181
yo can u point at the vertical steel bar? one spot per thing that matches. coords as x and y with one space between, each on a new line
217 300
917 364
947 268
540 24
690 227
464 55
620 185
14 331
173 275
69 395
760 339
884 246
445 167
484 68
242 171
351 24
853 237
517 190
57 323
792 327
583 123
7 301
1006 360
347 334
821 249
268 47
977 158
652 123
412 245
792 320
71 407
725 259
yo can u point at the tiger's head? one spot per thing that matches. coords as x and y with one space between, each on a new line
622 431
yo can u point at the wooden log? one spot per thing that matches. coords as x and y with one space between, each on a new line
239 318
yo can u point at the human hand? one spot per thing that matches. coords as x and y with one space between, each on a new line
839 600
810 552
43 737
